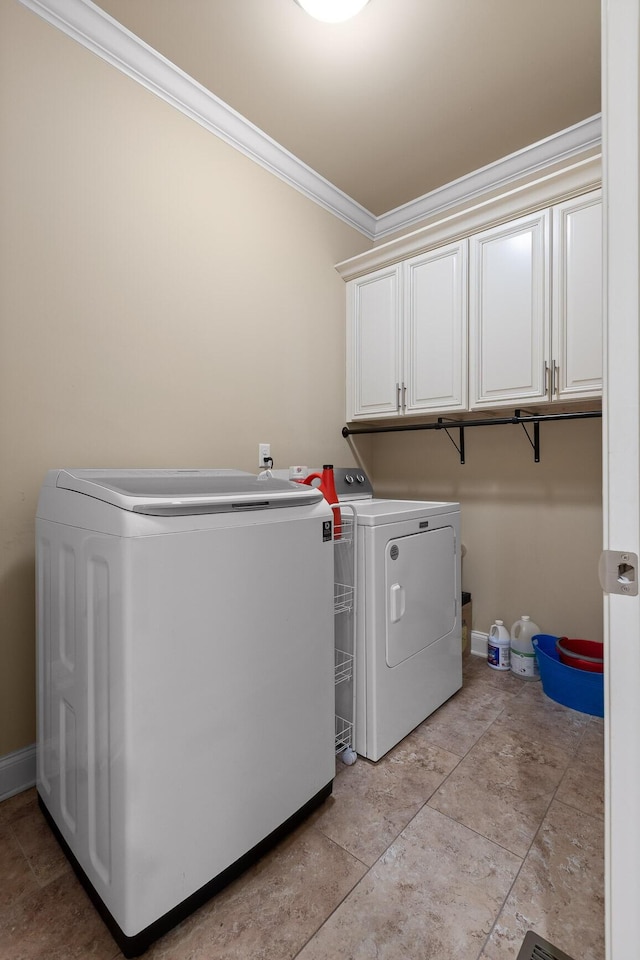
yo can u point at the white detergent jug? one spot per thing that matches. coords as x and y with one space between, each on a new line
498 646
523 657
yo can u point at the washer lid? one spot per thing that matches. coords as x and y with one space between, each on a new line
186 492
370 513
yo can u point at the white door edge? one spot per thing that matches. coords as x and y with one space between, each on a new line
621 472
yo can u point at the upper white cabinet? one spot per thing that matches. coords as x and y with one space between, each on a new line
373 344
577 298
535 312
407 337
511 316
509 312
435 330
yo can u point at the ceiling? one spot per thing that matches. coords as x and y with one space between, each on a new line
407 96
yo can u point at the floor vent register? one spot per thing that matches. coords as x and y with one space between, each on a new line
534 947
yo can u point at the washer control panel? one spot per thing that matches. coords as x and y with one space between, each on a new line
352 483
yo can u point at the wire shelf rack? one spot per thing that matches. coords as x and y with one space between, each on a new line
343 666
344 733
346 529
342 598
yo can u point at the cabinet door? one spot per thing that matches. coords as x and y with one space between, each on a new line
373 344
509 312
577 297
435 330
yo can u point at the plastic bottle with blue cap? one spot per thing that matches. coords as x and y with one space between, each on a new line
498 648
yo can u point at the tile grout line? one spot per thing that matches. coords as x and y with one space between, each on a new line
405 827
339 904
26 894
535 836
515 879
453 820
516 696
571 757
369 868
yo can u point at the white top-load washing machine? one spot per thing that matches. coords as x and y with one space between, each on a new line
185 644
408 617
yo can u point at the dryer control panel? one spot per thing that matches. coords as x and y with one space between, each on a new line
352 483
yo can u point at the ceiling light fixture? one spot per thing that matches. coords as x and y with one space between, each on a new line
332 11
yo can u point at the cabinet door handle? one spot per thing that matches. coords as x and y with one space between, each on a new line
546 378
398 396
404 397
555 387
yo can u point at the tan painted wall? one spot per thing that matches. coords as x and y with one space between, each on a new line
163 301
533 532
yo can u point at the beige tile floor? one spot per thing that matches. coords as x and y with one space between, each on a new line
484 822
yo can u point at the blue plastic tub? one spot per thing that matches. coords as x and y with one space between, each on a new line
579 689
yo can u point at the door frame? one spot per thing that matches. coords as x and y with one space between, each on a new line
621 470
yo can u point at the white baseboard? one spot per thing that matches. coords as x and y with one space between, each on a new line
17 771
479 643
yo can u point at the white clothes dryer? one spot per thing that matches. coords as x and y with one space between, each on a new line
408 611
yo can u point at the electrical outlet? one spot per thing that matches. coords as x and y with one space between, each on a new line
264 455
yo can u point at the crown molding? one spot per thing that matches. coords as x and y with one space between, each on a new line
559 148
89 25
550 187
